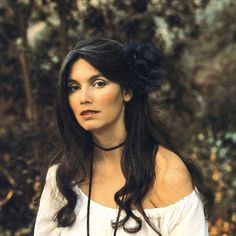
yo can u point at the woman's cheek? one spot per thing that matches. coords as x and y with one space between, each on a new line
73 103
110 98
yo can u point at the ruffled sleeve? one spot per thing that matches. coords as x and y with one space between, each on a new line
49 204
183 218
186 217
191 221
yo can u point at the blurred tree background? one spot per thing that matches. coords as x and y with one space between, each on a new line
196 101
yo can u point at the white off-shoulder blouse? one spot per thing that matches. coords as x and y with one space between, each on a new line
183 218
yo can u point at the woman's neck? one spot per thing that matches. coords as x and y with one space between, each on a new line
109 140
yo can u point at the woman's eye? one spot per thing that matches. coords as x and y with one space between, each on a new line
73 88
99 84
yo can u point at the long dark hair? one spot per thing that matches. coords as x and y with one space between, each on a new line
144 135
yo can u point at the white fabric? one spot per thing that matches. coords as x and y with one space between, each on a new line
183 218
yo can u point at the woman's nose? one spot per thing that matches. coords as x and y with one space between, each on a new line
85 96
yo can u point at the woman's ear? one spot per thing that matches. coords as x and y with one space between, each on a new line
127 95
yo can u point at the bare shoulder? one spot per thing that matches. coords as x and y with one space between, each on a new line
173 181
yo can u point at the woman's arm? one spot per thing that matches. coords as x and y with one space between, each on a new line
174 184
49 203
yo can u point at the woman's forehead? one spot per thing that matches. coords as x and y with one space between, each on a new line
82 65
83 70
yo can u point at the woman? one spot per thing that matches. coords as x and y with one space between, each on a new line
116 172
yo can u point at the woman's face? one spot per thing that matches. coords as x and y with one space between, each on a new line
97 103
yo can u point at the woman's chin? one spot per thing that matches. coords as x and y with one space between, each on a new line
91 128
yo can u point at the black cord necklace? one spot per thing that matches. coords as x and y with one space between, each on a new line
109 149
90 189
89 194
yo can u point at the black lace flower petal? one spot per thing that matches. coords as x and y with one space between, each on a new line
144 63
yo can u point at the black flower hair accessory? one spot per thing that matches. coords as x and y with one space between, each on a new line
145 66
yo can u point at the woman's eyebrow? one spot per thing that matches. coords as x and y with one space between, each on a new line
92 78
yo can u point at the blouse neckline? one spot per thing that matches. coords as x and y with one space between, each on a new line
183 201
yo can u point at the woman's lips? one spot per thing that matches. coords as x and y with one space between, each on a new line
88 114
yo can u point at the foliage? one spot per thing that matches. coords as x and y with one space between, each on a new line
198 39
